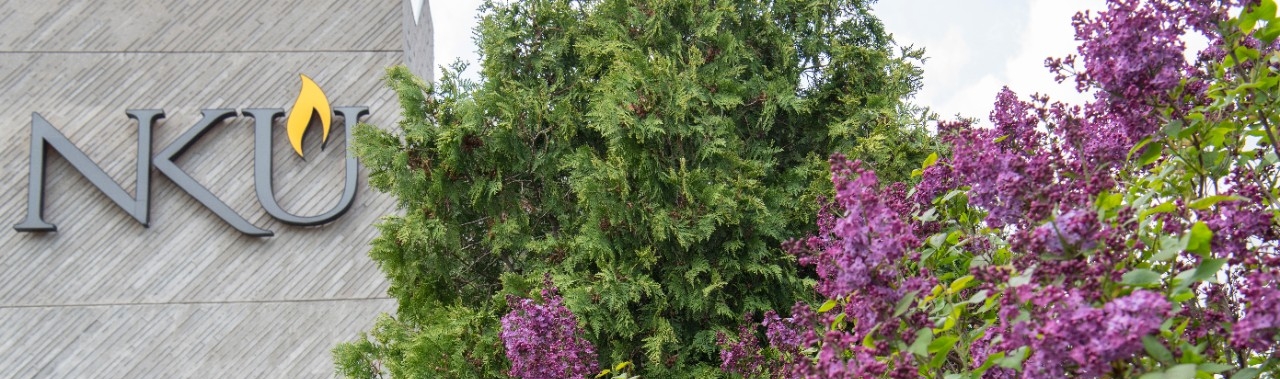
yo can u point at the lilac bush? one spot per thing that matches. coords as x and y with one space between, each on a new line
1134 235
543 341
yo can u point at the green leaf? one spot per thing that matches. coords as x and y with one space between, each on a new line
929 215
937 240
1247 24
1156 349
1109 201
1208 269
942 345
869 340
979 297
1173 128
1182 371
1212 200
924 337
1023 278
1139 146
1014 360
951 194
1269 33
827 306
1214 368
989 303
1246 53
904 303
1199 238
959 284
1265 11
952 319
988 363
929 161
1170 247
1001 138
1247 373
1182 294
1162 208
1140 278
1192 354
1182 327
1150 154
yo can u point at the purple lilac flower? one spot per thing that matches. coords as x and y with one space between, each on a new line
1259 329
791 334
858 255
1126 320
1133 52
980 350
1040 159
1236 223
867 240
1070 337
543 341
741 357
1073 231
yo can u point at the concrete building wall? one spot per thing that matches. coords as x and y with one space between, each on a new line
188 296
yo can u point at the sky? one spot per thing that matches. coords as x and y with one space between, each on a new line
974 47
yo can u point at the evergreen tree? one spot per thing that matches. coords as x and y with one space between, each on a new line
651 157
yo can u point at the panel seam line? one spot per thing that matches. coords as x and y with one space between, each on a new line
216 302
193 51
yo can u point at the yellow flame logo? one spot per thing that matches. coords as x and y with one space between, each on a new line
310 99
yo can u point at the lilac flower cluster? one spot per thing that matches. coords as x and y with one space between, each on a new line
1070 337
866 242
742 356
1133 52
1039 159
794 333
1235 223
786 335
543 341
1259 329
859 257
1039 175
1075 230
1245 235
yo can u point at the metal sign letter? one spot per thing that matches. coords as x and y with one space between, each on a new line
44 134
164 162
262 169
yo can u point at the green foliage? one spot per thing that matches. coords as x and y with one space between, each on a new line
651 156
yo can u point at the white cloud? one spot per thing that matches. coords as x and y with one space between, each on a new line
453 22
973 100
967 44
1049 34
944 69
974 47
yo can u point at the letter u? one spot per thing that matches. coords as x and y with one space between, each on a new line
262 168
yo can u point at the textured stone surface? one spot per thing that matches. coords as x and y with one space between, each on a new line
199 25
188 296
207 340
419 44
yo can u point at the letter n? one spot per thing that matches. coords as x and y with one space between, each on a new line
45 135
